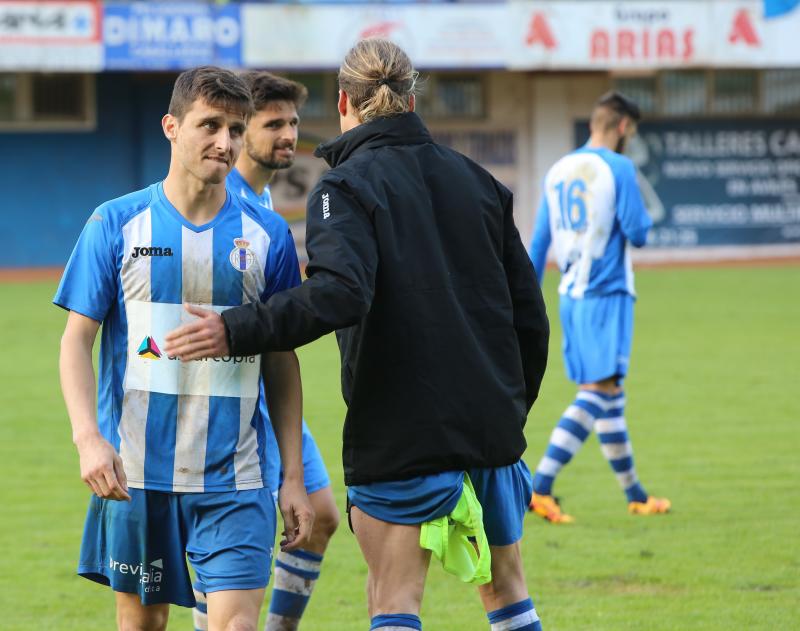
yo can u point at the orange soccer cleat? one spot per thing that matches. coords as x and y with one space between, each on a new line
547 506
653 506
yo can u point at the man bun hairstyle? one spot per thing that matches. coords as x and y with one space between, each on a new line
611 107
378 77
216 86
266 87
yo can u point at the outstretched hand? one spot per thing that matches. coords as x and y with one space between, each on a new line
203 337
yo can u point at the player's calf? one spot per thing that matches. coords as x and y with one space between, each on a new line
296 573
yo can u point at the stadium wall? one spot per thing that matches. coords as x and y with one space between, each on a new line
531 119
53 180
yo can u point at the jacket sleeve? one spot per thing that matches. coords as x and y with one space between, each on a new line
530 317
343 259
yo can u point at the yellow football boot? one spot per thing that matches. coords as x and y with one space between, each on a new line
653 506
546 506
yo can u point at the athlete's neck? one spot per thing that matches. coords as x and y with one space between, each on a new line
608 139
256 176
199 202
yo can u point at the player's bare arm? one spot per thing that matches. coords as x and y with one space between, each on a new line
284 394
204 337
101 466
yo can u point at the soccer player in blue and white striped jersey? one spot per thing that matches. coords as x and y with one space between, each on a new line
270 142
175 451
592 212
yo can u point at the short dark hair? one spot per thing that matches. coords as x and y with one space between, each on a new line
216 86
266 87
618 105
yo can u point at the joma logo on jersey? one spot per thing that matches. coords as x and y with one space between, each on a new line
150 577
326 205
150 251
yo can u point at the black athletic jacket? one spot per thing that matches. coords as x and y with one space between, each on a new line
415 261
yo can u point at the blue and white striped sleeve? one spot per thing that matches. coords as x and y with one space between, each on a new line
89 283
283 268
631 211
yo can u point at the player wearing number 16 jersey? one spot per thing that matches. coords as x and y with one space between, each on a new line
592 212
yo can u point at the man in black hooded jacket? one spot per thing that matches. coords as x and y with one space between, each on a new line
415 262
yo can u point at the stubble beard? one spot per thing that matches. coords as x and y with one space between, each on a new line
270 163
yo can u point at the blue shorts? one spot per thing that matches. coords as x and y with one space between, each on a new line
597 336
504 494
141 546
314 471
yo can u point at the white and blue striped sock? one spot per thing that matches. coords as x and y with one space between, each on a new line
296 573
612 432
200 612
520 616
568 437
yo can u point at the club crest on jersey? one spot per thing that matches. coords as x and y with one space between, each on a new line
242 257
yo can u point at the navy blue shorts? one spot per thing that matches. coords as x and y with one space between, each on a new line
141 546
504 494
597 336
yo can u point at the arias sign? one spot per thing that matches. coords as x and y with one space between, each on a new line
650 35
608 35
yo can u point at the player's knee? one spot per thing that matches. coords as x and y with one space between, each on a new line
327 521
153 621
241 624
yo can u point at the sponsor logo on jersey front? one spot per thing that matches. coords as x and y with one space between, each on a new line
242 257
149 369
149 349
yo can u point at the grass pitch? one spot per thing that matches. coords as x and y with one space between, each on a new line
713 415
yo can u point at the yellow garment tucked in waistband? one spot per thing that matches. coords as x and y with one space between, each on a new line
459 541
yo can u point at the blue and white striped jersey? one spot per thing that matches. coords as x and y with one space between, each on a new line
592 211
239 185
178 426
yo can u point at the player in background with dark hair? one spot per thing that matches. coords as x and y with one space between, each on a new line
270 142
592 212
174 452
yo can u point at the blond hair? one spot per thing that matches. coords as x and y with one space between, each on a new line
379 79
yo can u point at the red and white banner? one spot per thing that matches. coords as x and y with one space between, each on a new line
51 35
569 34
648 35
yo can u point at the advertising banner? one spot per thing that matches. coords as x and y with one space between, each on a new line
648 35
171 36
744 37
50 36
434 36
709 183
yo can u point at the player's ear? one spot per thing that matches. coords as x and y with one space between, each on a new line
170 126
412 102
343 103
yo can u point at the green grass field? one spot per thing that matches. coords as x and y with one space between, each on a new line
713 413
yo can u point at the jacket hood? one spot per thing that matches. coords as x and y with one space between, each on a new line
403 129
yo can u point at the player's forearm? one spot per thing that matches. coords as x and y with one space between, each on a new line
78 386
284 393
